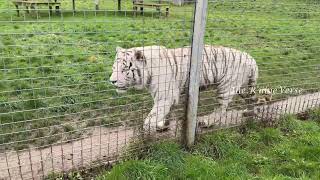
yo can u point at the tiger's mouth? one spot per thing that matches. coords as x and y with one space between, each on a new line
121 90
121 87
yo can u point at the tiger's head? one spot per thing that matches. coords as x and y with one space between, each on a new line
127 69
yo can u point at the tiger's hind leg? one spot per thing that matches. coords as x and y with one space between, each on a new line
219 116
250 98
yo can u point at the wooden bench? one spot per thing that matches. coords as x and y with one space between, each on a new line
32 4
139 4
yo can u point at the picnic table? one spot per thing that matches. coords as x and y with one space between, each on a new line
140 4
32 4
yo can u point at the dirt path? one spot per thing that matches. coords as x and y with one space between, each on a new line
108 143
292 105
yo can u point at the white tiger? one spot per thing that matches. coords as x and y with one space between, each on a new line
164 72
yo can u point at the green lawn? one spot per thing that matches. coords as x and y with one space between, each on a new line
54 69
289 150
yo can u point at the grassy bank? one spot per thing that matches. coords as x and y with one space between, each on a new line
288 151
54 68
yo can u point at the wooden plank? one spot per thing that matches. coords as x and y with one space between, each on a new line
41 3
35 2
194 76
149 4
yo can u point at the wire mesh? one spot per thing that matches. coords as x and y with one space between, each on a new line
59 111
282 38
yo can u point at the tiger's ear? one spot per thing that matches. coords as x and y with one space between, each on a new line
138 55
119 48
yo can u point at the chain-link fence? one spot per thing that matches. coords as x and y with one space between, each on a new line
66 64
282 38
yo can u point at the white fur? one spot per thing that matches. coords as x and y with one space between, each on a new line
164 72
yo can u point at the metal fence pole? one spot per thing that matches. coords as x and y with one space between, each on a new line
194 76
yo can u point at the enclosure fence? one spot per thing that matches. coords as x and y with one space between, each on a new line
187 68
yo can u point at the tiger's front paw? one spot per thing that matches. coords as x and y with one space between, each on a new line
155 127
162 126
149 127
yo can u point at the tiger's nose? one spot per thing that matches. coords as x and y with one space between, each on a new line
113 82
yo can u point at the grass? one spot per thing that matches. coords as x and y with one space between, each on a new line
54 68
290 150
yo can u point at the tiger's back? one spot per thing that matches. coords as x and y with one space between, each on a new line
220 66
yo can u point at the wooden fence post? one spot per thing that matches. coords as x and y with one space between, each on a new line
73 6
194 76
